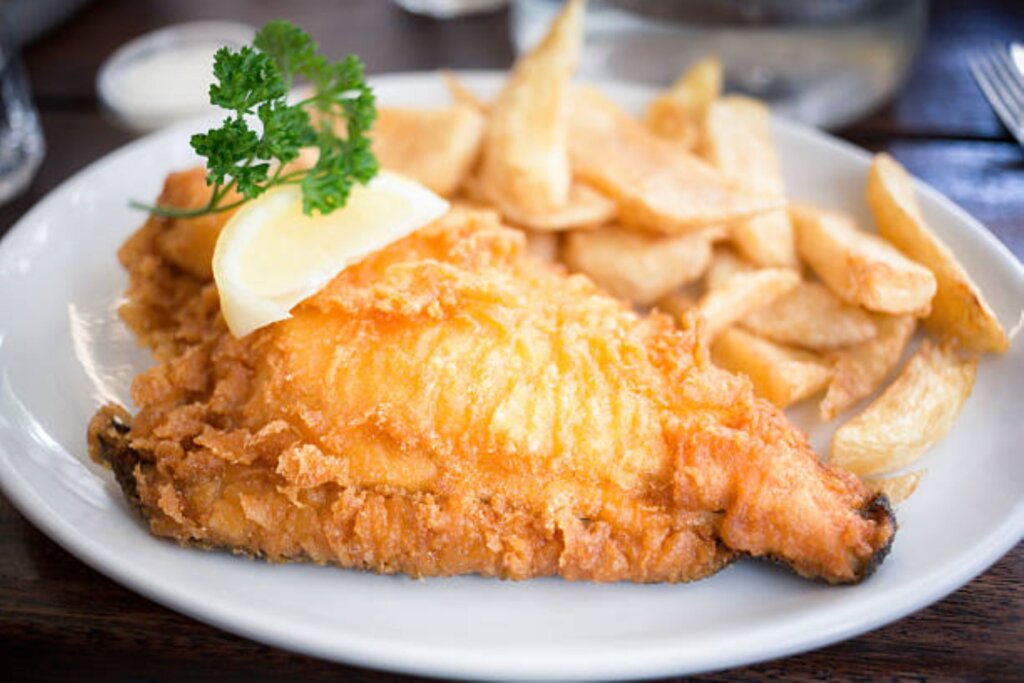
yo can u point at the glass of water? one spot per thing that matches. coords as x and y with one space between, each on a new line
21 137
823 62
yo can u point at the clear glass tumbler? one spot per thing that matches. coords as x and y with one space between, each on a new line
21 137
824 62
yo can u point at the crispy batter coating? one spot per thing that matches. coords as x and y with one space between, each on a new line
451 405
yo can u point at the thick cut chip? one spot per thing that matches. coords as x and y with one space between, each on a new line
725 264
860 369
657 185
738 141
526 158
897 488
542 245
958 309
742 294
586 208
780 374
460 92
678 113
766 240
813 317
914 412
677 304
639 267
860 267
436 147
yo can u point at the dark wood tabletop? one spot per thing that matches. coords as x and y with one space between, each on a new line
61 620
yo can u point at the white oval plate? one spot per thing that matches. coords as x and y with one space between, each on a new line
63 352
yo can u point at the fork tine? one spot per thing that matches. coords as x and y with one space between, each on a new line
1002 79
997 92
990 89
984 75
1010 76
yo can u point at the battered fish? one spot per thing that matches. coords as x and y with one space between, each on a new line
451 405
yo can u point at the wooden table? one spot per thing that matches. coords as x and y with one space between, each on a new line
60 620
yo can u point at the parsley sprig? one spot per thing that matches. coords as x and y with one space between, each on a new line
255 82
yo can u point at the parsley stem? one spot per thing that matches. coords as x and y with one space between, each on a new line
172 212
294 175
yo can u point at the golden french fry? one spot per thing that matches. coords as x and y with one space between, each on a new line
742 294
897 488
437 147
461 94
780 374
738 141
812 317
914 412
586 208
677 304
860 267
639 267
958 309
678 113
657 185
461 205
724 264
542 245
525 157
860 369
766 240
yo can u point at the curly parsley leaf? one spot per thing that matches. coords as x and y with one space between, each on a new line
253 83
289 46
245 79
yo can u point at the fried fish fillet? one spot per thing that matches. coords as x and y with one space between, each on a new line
451 405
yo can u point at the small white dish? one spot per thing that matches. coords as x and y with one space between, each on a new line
164 76
63 352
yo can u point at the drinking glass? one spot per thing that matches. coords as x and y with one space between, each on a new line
823 62
21 137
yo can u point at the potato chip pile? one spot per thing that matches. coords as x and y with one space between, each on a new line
684 210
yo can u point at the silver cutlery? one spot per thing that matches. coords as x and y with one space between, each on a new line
999 71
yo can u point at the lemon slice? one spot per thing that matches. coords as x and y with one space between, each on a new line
270 255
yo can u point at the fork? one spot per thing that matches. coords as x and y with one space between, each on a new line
1003 85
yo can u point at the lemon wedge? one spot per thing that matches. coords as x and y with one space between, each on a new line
270 255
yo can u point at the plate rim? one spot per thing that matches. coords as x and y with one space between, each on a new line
645 660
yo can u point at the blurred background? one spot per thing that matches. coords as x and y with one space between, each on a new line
881 73
80 78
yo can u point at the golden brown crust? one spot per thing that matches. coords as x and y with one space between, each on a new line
419 534
451 406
